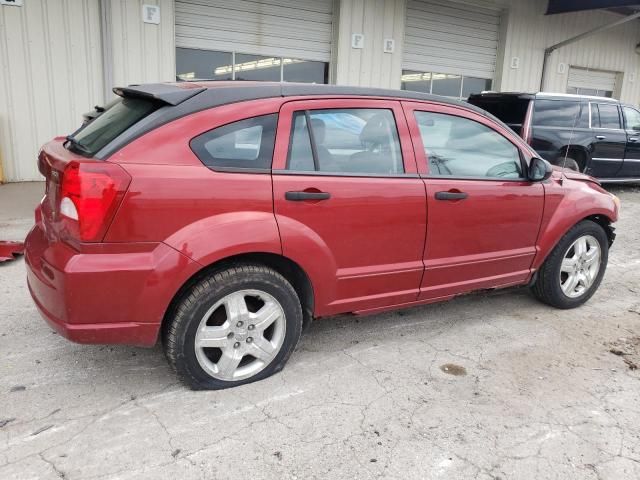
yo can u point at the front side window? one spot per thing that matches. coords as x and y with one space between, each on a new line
246 144
631 118
607 114
459 147
349 140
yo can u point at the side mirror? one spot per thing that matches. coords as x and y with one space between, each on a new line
539 170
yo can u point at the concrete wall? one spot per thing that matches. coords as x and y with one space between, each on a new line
527 32
50 73
369 66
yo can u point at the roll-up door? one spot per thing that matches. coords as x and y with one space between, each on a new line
584 81
253 39
447 41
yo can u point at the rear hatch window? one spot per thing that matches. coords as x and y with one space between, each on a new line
105 127
510 109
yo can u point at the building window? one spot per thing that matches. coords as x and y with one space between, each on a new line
590 91
448 85
193 64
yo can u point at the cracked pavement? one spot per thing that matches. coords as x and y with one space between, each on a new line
542 397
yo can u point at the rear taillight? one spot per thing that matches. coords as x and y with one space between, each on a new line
90 193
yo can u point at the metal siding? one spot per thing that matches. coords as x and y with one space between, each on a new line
376 20
529 32
142 52
449 37
293 28
51 74
595 79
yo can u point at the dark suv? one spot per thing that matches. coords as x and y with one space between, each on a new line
595 135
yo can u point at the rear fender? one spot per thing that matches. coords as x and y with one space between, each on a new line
214 238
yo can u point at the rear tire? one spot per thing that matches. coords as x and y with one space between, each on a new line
574 269
234 326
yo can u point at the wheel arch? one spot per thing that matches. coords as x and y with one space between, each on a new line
283 265
599 218
578 152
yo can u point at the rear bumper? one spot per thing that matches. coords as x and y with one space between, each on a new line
111 293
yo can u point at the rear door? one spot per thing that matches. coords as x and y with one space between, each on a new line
609 140
484 216
631 165
349 204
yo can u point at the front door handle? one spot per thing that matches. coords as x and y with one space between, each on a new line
301 196
633 139
451 195
601 137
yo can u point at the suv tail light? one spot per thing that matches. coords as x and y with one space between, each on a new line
90 193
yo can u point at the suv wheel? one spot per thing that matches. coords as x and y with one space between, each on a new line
574 269
569 163
233 327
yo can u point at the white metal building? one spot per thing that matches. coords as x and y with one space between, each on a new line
59 58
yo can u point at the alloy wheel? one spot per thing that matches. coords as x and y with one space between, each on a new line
580 266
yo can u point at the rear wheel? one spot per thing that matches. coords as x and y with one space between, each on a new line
574 269
569 163
233 327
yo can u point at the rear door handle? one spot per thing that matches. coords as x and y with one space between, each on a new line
301 196
600 137
451 195
633 139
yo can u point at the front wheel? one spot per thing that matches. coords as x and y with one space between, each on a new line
574 269
233 327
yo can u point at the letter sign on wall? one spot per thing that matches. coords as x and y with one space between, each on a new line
151 14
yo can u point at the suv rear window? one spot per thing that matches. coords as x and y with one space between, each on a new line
511 110
107 126
557 113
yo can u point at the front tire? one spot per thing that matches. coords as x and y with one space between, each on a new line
573 271
234 326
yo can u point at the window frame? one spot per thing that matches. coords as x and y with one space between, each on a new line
524 153
624 117
620 120
200 151
284 135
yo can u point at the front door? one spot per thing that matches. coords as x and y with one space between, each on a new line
483 215
631 165
609 140
349 204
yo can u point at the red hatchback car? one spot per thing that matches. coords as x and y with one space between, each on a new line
223 217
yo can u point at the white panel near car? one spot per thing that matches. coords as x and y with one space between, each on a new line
284 28
450 37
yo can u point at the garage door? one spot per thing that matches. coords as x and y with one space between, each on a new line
583 81
253 40
446 43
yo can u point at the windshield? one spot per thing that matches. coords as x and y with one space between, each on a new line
107 126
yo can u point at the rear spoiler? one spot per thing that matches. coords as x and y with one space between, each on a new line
166 93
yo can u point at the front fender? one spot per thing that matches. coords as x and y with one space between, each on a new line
567 203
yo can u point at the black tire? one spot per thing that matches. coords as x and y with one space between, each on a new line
547 286
180 331
569 163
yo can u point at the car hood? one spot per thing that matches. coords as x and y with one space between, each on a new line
559 172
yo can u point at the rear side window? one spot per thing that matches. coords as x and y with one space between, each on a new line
107 126
557 113
605 115
510 109
353 140
246 144
459 147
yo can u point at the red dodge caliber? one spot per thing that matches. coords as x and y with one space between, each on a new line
223 217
